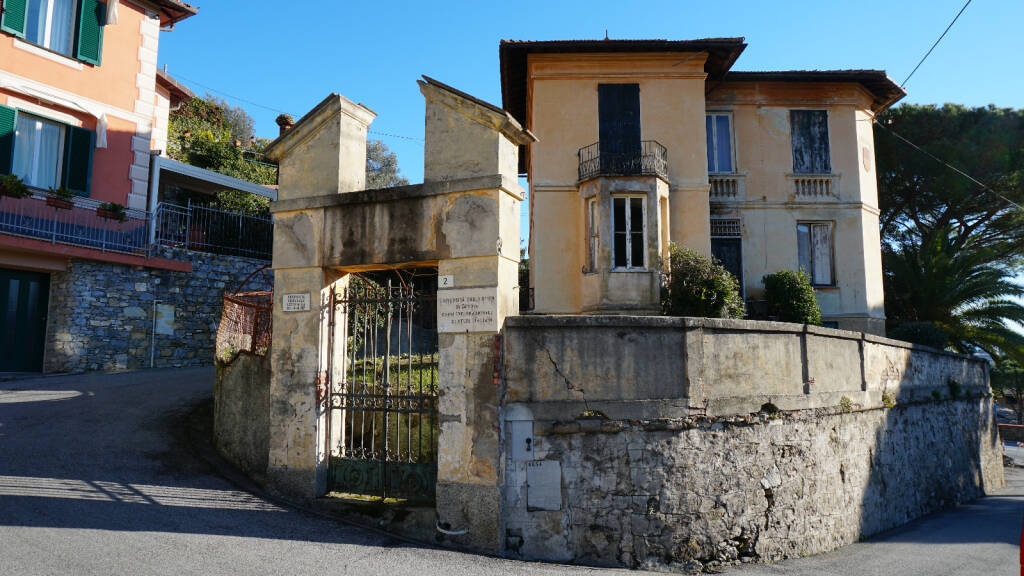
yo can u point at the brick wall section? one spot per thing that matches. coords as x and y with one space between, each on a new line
101 314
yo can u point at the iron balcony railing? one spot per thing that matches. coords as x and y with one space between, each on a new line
651 159
76 222
205 229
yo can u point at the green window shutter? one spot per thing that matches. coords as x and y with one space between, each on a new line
8 124
13 21
92 15
78 147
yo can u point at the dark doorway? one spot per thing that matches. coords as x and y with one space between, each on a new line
618 107
729 251
24 297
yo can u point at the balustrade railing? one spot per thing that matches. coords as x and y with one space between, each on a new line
814 187
725 187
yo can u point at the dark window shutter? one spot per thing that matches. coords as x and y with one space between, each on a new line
8 122
13 21
618 112
78 147
810 141
89 39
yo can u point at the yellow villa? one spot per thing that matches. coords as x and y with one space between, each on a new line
646 142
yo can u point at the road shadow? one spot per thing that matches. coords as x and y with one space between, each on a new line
112 459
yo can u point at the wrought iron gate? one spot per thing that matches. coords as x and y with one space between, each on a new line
383 412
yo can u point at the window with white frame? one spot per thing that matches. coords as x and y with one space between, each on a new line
629 247
38 151
593 236
816 250
50 24
719 134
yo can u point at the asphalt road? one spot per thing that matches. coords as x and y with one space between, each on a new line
96 477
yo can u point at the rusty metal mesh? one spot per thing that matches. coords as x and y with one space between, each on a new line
245 324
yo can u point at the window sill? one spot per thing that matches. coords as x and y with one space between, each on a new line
824 286
48 54
629 270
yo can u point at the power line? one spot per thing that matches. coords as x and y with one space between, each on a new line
374 132
222 93
925 57
948 165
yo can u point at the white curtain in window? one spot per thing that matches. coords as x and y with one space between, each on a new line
37 149
60 26
821 238
111 12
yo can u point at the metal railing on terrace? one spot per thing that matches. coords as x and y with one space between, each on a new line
77 222
205 229
651 159
81 222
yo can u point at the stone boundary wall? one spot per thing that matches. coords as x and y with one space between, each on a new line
241 414
658 367
101 313
708 442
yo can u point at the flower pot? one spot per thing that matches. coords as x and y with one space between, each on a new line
60 203
110 215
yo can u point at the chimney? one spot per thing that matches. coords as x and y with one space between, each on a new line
285 123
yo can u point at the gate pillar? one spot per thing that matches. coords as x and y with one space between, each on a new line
324 153
471 148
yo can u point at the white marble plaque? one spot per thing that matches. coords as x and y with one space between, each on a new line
295 302
164 319
446 281
468 310
544 485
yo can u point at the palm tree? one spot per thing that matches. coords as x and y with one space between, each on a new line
970 299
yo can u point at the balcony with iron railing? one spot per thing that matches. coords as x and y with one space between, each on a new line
650 159
76 222
82 222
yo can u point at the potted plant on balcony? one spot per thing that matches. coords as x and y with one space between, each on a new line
111 211
14 187
60 198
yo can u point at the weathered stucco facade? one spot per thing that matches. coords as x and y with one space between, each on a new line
757 195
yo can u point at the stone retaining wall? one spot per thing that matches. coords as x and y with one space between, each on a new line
690 492
646 441
101 314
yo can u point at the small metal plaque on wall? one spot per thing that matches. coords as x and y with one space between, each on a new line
295 302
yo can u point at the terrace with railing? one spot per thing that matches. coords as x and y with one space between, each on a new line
83 222
77 222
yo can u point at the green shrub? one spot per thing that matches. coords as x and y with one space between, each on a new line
791 298
14 187
936 395
695 285
845 404
954 389
888 400
926 333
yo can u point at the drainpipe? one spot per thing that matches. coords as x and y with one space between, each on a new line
152 340
154 189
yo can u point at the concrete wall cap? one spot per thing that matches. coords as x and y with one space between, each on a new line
476 110
437 188
314 121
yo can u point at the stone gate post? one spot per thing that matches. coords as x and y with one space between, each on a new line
471 150
324 153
